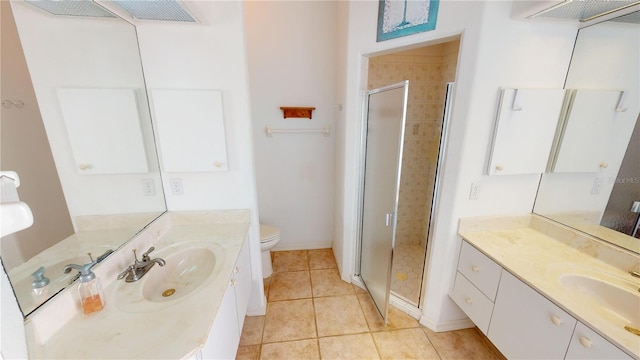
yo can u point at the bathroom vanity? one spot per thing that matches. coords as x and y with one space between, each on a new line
539 289
192 307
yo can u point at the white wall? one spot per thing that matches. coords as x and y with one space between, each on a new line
210 55
292 51
77 52
495 52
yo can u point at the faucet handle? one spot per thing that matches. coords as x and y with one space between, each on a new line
130 269
145 256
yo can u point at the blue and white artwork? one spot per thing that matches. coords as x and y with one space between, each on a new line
398 18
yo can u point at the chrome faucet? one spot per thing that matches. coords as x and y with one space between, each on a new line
139 268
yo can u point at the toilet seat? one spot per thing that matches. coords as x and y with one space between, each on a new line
268 233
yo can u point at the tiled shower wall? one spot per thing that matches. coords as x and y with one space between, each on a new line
428 70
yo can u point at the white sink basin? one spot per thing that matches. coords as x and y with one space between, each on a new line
616 299
188 267
184 272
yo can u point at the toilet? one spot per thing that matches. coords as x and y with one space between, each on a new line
269 237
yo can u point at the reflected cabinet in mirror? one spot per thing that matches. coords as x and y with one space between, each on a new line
82 142
593 179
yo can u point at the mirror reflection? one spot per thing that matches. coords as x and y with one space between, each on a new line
593 181
82 143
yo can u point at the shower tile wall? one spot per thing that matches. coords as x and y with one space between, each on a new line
428 70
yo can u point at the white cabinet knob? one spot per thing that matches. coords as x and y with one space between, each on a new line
237 270
556 320
468 300
499 167
603 165
233 282
217 164
475 268
84 166
585 342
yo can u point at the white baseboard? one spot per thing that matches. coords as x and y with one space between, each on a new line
405 306
305 246
448 325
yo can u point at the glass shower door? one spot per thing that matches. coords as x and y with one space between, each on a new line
383 139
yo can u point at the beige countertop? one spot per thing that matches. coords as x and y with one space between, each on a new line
527 251
169 329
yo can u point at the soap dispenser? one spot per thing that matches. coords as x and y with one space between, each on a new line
91 294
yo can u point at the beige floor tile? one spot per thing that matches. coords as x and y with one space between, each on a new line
397 319
252 330
462 344
358 347
327 282
301 349
267 282
289 320
290 260
250 352
404 344
290 285
358 289
339 315
322 259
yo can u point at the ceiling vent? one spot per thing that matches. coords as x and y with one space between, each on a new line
583 10
71 8
165 10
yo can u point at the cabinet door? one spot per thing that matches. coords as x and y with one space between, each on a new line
242 274
224 336
586 344
525 325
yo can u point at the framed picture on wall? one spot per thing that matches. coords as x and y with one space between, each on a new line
397 18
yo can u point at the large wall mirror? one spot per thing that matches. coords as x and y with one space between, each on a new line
84 92
593 180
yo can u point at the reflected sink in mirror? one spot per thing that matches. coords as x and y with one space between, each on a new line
22 280
183 273
188 268
617 299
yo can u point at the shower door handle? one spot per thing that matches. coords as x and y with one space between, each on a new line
388 219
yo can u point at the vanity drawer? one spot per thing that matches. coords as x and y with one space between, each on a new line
586 344
473 302
480 270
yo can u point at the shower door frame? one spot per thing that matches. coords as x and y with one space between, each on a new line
361 184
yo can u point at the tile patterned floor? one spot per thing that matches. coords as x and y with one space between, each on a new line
406 277
313 314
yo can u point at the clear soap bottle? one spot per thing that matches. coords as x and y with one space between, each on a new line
90 290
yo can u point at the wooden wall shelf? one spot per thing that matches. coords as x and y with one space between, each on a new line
297 112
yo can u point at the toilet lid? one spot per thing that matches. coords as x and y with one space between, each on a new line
268 232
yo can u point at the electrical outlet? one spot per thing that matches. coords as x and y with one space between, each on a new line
176 186
474 194
148 187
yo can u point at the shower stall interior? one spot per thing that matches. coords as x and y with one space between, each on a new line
428 70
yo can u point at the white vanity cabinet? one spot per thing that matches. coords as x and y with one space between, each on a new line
224 337
476 284
519 321
525 325
587 344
